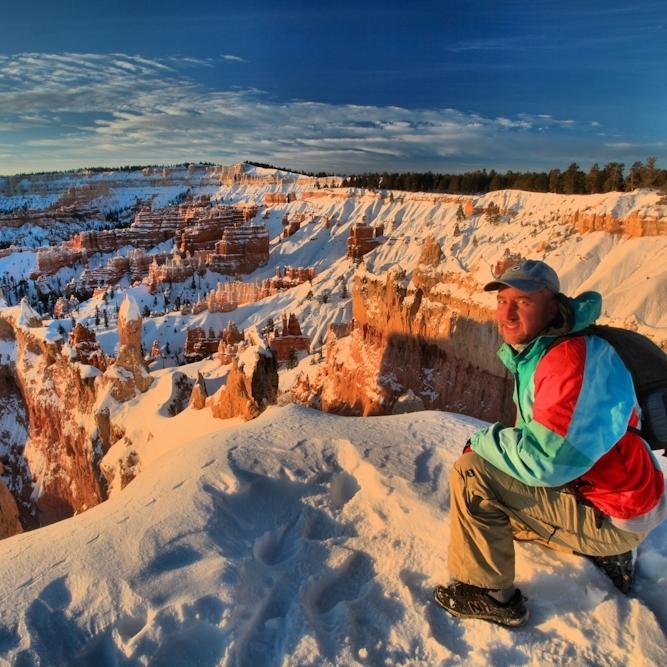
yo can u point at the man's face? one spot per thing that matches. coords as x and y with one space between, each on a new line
522 315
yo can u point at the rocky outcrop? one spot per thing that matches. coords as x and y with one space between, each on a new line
292 223
240 250
651 222
422 336
54 472
86 349
45 217
123 468
228 295
203 232
252 385
279 197
289 339
363 238
9 512
199 394
129 374
199 344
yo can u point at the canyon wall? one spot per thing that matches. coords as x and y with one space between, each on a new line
55 471
424 337
13 434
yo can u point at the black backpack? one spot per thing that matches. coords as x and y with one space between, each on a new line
647 365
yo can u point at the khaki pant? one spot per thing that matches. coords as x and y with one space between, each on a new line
490 509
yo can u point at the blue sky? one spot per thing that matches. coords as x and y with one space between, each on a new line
337 86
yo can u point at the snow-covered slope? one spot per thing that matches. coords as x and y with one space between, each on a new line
301 538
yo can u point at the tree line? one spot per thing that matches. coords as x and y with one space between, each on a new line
572 180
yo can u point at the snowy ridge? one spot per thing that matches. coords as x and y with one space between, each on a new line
301 538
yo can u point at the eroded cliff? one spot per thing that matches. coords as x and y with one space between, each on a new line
54 471
423 336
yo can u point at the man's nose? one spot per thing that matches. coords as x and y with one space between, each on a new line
507 310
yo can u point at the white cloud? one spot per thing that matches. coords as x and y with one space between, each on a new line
94 108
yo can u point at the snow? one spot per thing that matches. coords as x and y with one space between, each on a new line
26 315
88 372
19 264
301 538
129 310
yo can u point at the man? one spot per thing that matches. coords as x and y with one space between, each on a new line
569 474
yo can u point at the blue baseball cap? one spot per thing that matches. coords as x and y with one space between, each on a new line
531 275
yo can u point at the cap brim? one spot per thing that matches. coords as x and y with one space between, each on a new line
518 283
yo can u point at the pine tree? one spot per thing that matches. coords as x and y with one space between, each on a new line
554 180
648 173
292 359
634 176
612 177
573 180
593 180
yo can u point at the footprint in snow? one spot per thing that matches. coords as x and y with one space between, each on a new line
346 583
275 546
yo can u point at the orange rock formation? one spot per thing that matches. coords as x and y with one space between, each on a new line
415 337
248 390
289 338
128 374
363 238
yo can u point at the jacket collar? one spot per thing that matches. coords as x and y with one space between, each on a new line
574 314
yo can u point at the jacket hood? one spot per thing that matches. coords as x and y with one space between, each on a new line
583 310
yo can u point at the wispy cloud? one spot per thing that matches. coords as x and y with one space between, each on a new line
83 109
236 59
488 44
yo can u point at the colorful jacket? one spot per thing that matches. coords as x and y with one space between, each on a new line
575 400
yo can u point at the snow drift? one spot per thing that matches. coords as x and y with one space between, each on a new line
301 538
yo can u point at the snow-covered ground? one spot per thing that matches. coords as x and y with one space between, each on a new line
301 538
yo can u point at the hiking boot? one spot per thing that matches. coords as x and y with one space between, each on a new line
469 601
620 569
